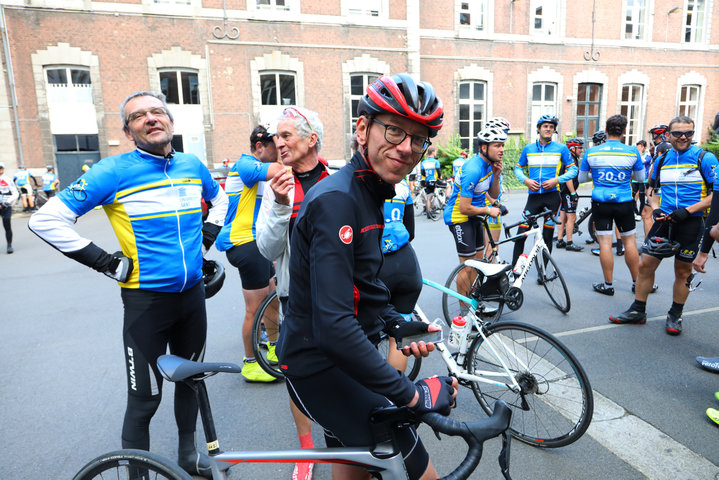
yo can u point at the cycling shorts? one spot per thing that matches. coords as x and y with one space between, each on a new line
569 205
538 202
25 190
342 406
468 237
688 233
154 320
605 214
429 187
638 187
5 211
412 177
255 270
401 274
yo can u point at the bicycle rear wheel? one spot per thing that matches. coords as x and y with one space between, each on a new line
131 465
554 282
413 363
555 405
265 330
465 280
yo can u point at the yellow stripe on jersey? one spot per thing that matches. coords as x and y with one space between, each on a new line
164 183
241 230
120 221
167 214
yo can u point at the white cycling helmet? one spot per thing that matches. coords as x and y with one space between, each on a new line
491 135
498 122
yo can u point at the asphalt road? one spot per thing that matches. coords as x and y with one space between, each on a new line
63 392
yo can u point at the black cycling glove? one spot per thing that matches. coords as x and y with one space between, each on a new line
435 395
679 215
209 234
116 266
400 330
656 213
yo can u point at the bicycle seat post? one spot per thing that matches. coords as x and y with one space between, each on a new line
208 424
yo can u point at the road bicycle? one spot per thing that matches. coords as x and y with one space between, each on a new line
585 214
382 458
266 329
495 284
439 200
527 367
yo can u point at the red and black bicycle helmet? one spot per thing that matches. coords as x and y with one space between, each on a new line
575 142
660 247
401 95
660 129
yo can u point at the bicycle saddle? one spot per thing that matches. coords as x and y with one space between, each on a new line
176 369
488 269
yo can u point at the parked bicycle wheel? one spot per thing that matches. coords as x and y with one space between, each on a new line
553 281
413 363
131 464
466 280
555 405
265 330
420 203
40 198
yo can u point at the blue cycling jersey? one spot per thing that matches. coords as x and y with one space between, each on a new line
153 204
457 166
431 167
544 163
395 234
22 178
48 179
475 181
611 165
244 186
682 184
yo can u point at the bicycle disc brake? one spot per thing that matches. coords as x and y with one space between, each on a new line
514 298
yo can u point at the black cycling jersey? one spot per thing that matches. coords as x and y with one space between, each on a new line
337 305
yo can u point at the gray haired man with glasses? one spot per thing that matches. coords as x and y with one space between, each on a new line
152 196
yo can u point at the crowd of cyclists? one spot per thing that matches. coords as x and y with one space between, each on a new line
337 249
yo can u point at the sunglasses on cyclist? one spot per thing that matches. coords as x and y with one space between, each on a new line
396 135
680 134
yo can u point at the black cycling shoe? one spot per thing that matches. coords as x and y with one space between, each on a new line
561 244
710 364
630 317
655 287
573 247
674 324
602 288
620 252
196 464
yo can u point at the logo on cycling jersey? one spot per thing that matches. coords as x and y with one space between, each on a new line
346 234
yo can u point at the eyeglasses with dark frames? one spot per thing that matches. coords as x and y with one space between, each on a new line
680 134
395 135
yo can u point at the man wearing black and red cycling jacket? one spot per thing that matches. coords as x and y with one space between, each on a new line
337 304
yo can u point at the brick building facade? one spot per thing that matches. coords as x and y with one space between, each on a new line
68 64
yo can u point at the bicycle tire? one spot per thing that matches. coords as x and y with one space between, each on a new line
131 464
413 363
265 329
40 198
451 306
559 403
419 203
554 282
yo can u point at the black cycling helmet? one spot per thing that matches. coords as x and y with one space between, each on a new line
401 95
548 119
660 247
575 142
213 275
660 129
599 137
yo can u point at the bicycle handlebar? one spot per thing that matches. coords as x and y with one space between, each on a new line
475 434
532 220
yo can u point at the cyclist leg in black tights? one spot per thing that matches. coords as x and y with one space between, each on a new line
6 213
537 203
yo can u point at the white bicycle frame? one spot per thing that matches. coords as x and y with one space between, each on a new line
539 244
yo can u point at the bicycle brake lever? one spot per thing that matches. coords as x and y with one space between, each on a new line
504 455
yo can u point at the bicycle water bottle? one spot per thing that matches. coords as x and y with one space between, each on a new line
521 263
458 334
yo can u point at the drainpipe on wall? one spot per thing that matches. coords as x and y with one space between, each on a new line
11 82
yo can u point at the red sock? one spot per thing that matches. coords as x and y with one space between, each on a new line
306 441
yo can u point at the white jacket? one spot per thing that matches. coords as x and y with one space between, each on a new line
8 192
273 236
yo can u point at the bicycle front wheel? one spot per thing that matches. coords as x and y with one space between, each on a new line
265 331
419 203
554 406
465 280
554 282
131 464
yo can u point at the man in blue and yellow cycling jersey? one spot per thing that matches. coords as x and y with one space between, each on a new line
24 180
611 166
49 181
544 159
245 186
152 197
685 175
480 178
431 172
